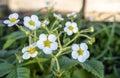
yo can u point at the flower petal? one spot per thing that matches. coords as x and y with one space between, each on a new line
74 24
75 30
6 22
81 59
75 47
37 24
34 17
26 55
74 55
25 49
47 50
40 44
86 54
52 38
14 15
83 46
11 24
26 18
67 24
54 45
65 29
35 54
42 37
69 32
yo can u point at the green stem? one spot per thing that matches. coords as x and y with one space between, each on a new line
30 42
21 28
35 36
52 63
54 24
59 43
40 65
85 36
46 29
57 63
72 40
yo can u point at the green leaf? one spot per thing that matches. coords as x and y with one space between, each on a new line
35 61
20 72
15 35
11 38
66 74
66 40
5 68
23 72
12 74
80 73
117 72
95 67
66 63
8 43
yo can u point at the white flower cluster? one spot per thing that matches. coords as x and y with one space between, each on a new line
48 42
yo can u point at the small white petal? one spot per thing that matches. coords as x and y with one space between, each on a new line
27 18
81 59
26 55
34 17
67 24
40 44
25 49
42 37
65 29
37 24
35 54
46 22
52 38
83 46
69 33
10 25
14 15
34 44
74 54
74 24
32 27
26 24
54 45
47 50
75 47
75 30
86 54
6 21
54 14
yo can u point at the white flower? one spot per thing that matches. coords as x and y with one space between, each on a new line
80 52
46 22
32 22
47 43
73 15
29 51
13 19
70 28
58 16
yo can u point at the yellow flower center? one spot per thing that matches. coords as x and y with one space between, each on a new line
80 52
31 50
47 43
31 22
12 20
70 28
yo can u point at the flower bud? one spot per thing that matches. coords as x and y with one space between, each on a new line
27 33
91 41
60 26
91 29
